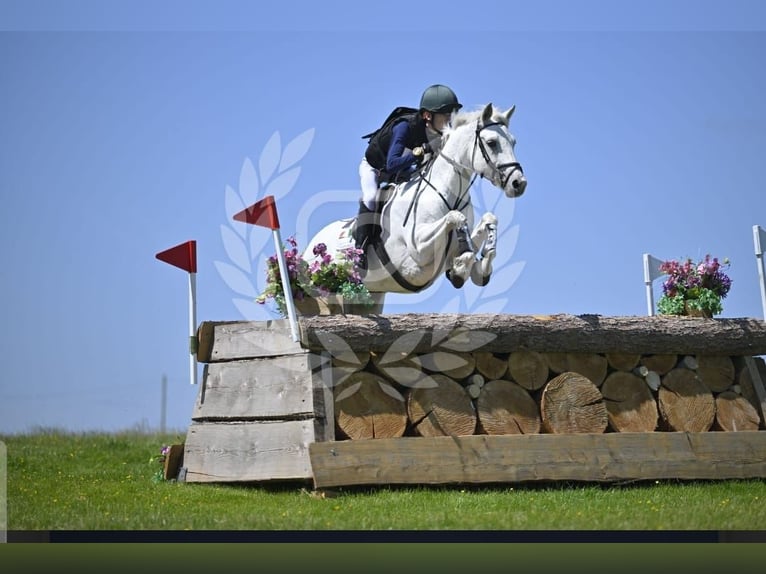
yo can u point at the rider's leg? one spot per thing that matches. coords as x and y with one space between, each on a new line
367 224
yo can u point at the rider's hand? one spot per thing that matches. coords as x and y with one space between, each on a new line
422 153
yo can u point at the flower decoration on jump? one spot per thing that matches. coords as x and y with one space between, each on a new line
694 288
323 277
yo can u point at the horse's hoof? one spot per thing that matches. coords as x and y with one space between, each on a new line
456 280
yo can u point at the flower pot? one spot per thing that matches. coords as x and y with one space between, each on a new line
694 312
328 305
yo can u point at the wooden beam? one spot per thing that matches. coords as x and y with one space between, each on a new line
544 333
522 458
249 451
233 340
267 388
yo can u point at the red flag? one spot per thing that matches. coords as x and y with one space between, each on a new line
263 213
183 256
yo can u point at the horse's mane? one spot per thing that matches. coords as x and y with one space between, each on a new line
463 118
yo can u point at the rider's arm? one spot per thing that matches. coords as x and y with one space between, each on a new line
398 158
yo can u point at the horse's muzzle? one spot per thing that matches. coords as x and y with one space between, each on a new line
516 186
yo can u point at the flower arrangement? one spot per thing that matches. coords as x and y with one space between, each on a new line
325 276
694 287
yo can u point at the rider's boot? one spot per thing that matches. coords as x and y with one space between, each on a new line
367 231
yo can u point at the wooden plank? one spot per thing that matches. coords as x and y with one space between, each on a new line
232 340
522 458
248 451
173 461
276 387
504 333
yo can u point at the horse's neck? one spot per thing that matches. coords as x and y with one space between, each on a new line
449 176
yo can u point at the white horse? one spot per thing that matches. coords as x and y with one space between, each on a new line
426 222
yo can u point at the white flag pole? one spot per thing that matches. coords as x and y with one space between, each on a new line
759 238
184 256
193 343
264 214
651 272
291 315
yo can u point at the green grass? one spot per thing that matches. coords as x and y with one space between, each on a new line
61 481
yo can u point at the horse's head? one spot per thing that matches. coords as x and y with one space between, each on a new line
492 153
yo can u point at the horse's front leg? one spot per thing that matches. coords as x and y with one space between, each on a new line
484 233
428 236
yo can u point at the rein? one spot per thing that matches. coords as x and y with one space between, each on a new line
461 201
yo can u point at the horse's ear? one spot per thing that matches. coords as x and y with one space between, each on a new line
509 113
486 114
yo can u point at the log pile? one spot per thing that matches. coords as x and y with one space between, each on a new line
560 374
529 392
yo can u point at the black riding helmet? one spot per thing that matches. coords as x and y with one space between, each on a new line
439 99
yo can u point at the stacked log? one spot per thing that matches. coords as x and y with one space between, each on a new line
441 409
449 393
571 403
734 413
629 403
590 365
504 407
368 406
685 403
623 361
529 369
716 372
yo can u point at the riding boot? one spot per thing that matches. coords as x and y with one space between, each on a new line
367 231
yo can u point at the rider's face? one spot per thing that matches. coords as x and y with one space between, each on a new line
441 121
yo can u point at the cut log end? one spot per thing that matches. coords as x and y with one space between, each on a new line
685 403
528 369
630 403
571 403
734 413
368 406
442 408
504 407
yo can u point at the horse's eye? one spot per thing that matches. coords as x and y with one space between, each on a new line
493 144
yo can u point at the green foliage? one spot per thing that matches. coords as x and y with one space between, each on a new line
675 305
103 482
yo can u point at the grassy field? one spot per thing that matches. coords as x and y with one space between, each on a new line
61 481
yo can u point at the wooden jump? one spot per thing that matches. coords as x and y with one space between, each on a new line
439 399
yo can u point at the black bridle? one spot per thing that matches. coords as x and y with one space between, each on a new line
462 201
496 168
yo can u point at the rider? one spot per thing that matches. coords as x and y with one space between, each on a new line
402 146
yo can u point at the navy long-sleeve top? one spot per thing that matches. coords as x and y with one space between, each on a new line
398 158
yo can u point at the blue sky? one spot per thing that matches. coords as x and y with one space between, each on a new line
640 130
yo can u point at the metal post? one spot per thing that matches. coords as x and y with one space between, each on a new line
651 272
193 328
759 238
163 403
